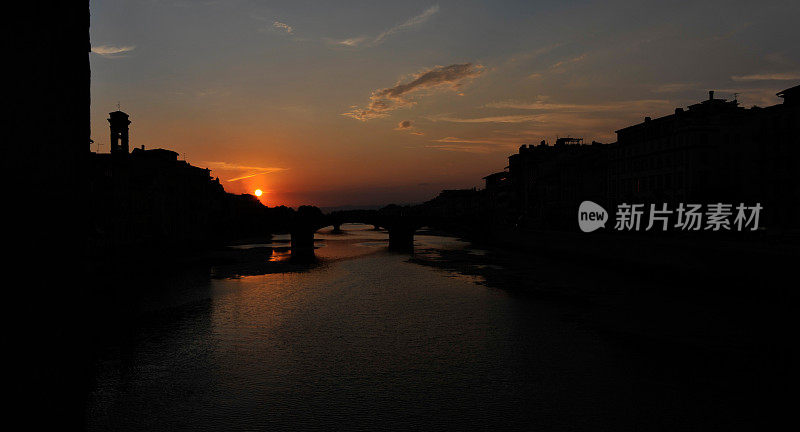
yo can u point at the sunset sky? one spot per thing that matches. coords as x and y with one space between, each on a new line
369 102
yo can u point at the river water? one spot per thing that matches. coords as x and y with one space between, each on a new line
369 339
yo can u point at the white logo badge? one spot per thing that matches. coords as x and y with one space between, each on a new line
591 216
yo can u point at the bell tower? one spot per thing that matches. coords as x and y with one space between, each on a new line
119 122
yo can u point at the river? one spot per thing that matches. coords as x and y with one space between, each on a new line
369 339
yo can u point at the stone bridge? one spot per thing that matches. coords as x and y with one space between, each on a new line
400 222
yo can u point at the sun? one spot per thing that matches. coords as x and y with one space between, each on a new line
258 192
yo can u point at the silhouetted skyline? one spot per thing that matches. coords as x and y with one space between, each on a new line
370 103
156 296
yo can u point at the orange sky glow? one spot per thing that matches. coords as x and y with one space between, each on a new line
371 103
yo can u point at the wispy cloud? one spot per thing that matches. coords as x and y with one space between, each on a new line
543 105
540 126
563 63
377 40
112 50
493 141
767 77
414 21
482 149
476 145
490 119
283 26
243 171
389 99
212 92
352 42
673 87
272 25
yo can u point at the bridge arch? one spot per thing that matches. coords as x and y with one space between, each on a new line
399 225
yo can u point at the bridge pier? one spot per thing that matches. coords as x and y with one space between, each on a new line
401 238
399 222
302 242
337 229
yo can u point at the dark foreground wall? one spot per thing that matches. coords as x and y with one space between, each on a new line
46 142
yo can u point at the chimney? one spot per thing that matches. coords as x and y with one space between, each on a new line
711 95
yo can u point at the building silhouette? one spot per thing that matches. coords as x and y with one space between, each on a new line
148 199
713 151
548 181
